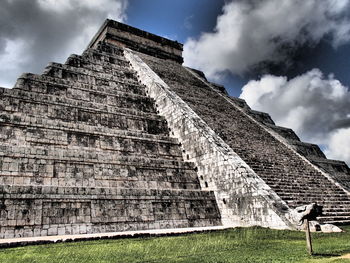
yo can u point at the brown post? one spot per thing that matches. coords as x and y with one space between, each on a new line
308 237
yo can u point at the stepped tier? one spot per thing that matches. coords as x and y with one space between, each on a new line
83 150
274 153
48 210
74 167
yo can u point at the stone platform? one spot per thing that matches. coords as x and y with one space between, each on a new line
27 241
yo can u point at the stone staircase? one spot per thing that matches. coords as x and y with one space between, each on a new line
83 150
338 170
298 172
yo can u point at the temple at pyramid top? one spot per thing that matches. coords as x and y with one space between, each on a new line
123 35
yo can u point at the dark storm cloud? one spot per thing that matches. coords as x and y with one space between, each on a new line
260 33
344 123
35 32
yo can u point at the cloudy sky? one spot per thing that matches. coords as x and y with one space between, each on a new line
289 58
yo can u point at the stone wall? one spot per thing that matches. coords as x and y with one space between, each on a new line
46 210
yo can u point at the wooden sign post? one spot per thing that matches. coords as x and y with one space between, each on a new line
308 237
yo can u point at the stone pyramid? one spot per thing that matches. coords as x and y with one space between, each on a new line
123 137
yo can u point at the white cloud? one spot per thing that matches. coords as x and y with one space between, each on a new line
111 7
33 33
55 6
251 32
316 107
339 145
13 58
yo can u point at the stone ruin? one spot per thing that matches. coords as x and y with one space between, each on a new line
123 137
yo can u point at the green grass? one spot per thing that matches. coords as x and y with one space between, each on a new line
234 245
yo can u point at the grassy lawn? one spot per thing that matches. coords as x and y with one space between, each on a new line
235 245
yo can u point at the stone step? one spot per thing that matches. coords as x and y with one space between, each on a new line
273 167
267 161
311 193
26 122
334 218
334 203
128 167
319 197
337 209
51 209
301 188
241 103
10 98
307 149
337 166
58 86
81 65
67 74
316 197
72 166
304 189
299 182
104 47
305 195
339 222
63 71
55 192
334 212
94 60
142 173
261 117
338 170
275 175
286 133
104 55
110 117
92 100
117 98
66 180
75 139
76 151
310 179
89 156
305 186
327 204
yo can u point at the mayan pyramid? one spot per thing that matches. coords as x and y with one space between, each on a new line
123 137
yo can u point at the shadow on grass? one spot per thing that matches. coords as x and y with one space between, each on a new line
325 255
